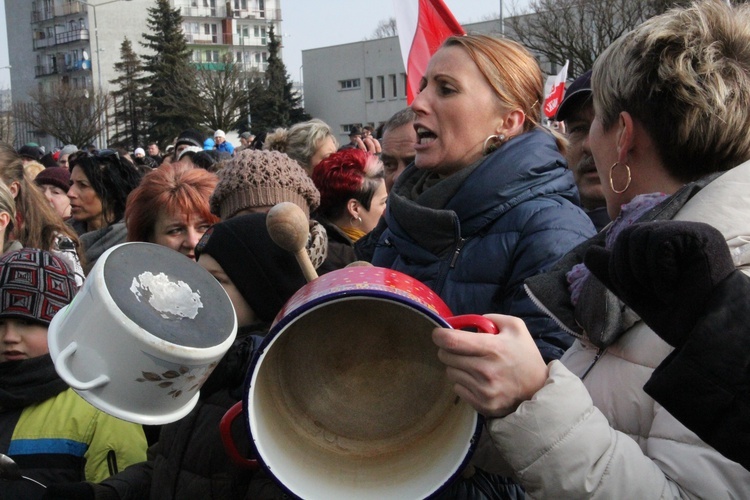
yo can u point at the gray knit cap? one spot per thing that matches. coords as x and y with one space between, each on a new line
254 178
68 149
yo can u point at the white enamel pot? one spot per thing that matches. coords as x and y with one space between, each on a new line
143 334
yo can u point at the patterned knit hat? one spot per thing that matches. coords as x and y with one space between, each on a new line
262 179
34 285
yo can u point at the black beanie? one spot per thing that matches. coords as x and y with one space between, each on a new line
191 137
265 275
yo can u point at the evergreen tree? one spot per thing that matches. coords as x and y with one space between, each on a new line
171 83
273 104
129 117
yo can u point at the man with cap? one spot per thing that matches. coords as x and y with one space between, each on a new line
221 142
30 152
246 139
577 111
355 140
53 434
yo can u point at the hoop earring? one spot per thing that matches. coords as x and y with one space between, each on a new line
611 181
355 221
497 140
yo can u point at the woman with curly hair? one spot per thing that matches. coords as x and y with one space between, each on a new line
306 142
100 183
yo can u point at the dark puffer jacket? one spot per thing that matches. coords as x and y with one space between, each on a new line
189 461
512 216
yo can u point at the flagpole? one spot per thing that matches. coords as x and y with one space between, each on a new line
502 20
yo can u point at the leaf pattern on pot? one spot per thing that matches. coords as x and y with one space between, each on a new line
182 380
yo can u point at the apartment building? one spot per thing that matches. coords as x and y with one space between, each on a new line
78 42
237 27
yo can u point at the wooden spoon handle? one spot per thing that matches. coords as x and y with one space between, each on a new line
289 228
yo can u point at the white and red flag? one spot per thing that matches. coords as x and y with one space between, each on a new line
554 90
422 26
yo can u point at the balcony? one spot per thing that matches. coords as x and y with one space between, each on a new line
247 67
201 39
79 65
218 11
43 43
248 41
44 70
70 8
72 36
38 16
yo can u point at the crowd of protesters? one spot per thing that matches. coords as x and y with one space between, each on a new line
610 258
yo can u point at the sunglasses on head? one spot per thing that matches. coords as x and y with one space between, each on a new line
102 154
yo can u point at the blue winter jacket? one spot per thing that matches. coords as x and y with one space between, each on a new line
513 216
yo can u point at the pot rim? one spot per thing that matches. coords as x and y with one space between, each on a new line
347 294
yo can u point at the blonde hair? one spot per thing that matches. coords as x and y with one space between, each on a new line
512 72
301 141
685 76
32 169
40 225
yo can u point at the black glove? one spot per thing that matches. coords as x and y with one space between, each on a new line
665 271
71 491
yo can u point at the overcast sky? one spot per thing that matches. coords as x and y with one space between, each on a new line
308 24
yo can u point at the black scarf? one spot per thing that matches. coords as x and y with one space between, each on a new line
29 381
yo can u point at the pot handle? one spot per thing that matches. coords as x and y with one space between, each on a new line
482 324
225 426
62 369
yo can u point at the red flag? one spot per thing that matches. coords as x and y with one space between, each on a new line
422 26
554 95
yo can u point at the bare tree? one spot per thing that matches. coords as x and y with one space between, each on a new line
386 28
71 115
579 30
224 94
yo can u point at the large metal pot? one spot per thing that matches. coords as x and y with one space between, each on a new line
346 397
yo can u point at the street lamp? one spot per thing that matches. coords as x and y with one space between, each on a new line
96 41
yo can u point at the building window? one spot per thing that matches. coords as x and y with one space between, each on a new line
381 87
243 31
394 86
212 56
406 83
349 84
370 89
347 127
240 4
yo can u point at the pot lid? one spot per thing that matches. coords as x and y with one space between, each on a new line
168 295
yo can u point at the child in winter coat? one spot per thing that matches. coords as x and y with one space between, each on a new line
52 433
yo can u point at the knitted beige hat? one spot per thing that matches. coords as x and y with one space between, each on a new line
254 178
